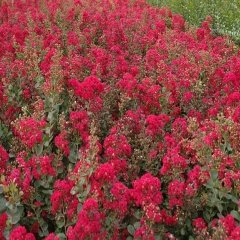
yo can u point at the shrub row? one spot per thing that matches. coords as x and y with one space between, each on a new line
117 121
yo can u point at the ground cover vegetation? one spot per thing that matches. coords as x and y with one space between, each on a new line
118 120
225 13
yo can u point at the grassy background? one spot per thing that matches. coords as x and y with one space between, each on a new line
226 13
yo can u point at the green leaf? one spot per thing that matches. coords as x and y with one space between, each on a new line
79 208
206 216
229 148
11 207
16 218
86 192
136 225
2 204
74 190
231 197
48 130
39 149
189 224
137 214
73 156
235 214
131 229
183 231
15 215
43 233
47 191
61 236
214 175
6 233
158 237
129 238
60 221
220 207
46 138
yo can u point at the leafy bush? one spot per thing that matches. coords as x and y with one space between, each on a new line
226 14
117 121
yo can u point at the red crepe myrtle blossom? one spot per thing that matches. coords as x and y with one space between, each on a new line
228 223
80 122
235 234
51 236
117 146
89 222
62 199
121 200
176 191
199 224
29 131
3 159
3 224
62 143
20 233
42 166
178 22
147 190
105 173
155 124
90 88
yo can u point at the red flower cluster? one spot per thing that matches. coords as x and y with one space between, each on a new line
62 200
29 131
62 143
146 190
3 224
90 90
3 159
20 233
42 166
80 123
89 223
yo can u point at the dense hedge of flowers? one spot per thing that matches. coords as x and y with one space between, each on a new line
117 121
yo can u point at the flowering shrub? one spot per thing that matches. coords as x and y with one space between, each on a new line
117 121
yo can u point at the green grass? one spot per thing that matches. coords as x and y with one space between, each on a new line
225 13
